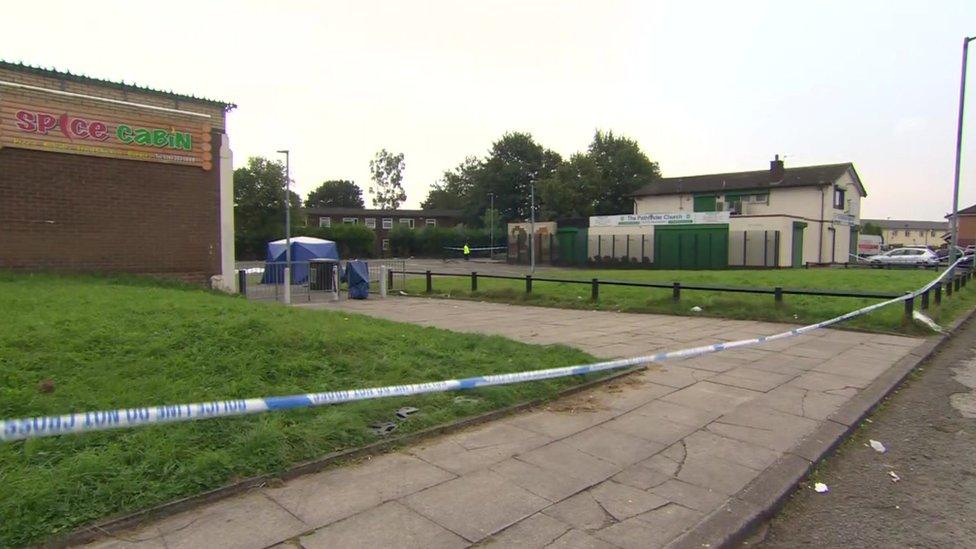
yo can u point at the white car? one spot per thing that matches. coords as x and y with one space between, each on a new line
922 257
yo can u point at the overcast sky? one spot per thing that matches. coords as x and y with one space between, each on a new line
703 86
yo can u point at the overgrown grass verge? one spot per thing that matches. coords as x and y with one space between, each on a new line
793 309
111 342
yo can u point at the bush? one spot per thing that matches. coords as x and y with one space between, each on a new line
434 241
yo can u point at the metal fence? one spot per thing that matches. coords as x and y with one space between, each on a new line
755 248
632 248
267 281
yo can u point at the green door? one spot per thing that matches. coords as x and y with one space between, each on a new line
798 243
852 246
691 247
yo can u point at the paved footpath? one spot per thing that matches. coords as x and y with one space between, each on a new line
637 463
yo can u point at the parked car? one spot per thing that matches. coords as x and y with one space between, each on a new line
966 253
919 257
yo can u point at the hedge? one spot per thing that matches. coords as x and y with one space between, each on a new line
433 241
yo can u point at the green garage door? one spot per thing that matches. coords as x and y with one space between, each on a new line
691 247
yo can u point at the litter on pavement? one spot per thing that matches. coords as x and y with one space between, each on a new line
894 476
878 447
821 488
696 309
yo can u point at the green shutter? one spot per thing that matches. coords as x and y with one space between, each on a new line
705 203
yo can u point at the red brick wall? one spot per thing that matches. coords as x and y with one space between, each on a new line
967 230
84 213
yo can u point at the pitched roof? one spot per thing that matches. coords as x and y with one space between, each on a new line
380 213
966 211
65 75
803 176
907 224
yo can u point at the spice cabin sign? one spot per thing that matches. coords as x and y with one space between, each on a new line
126 132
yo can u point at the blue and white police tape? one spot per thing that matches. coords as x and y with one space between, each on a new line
80 422
476 249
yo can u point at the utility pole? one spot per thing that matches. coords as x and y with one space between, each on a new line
491 225
532 227
287 226
953 250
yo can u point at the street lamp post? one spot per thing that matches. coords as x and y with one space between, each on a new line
287 226
953 250
491 225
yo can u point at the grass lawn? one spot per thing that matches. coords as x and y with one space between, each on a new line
121 342
797 309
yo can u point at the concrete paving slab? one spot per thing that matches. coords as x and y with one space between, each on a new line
478 448
689 495
575 539
249 521
622 502
801 402
652 529
654 429
569 419
477 505
539 530
542 482
582 512
613 446
711 397
338 493
564 459
763 426
389 525
710 444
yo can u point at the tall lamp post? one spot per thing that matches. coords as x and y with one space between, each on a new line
491 225
287 226
953 251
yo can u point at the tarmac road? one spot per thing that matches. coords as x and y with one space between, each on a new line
929 430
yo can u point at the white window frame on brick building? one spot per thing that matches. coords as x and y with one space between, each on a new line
325 222
387 222
408 221
385 244
350 220
430 222
371 222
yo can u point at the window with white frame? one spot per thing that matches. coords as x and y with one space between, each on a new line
386 244
325 222
371 222
431 222
350 220
387 222
407 221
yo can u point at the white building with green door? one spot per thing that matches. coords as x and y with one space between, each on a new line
780 217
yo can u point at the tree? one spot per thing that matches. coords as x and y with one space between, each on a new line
513 164
336 193
454 190
871 228
622 169
387 174
259 208
572 190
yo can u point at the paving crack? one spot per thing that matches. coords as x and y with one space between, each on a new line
743 426
803 401
684 456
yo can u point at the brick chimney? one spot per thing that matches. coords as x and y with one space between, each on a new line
776 170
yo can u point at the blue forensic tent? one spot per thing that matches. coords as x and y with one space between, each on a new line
303 248
357 278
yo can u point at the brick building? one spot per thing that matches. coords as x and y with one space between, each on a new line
382 221
967 225
106 176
